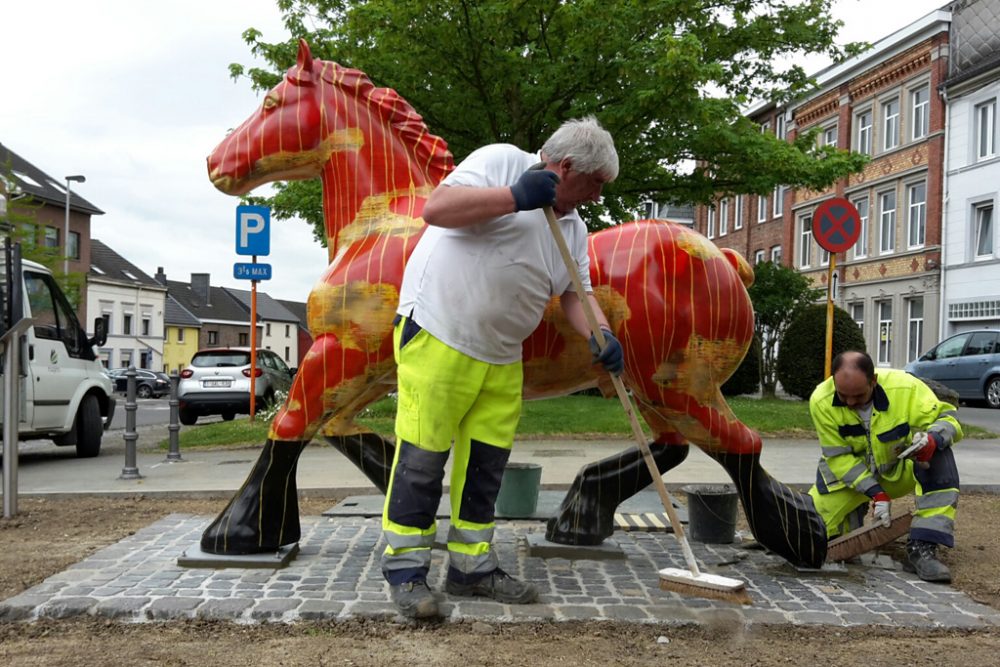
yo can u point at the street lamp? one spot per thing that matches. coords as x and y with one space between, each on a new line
75 179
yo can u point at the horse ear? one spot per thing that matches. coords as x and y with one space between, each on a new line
303 71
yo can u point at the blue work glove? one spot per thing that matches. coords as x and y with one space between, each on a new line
536 188
611 357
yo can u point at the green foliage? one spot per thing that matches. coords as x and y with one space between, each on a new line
670 79
778 294
802 358
746 378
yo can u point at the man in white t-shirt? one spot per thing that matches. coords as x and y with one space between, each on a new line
474 289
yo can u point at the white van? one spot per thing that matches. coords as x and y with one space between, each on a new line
65 394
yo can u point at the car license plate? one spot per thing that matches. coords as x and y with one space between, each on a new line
217 383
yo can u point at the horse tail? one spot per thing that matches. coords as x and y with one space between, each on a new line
742 266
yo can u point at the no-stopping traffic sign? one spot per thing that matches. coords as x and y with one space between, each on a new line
836 225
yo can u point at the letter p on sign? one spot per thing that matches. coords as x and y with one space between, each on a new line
253 230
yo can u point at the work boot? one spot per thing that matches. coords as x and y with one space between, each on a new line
921 558
497 585
414 599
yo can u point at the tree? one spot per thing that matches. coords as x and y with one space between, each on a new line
802 358
778 295
670 79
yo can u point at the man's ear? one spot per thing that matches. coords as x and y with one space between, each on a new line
564 167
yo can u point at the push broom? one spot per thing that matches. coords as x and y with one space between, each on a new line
692 581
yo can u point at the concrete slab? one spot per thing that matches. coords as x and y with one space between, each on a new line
548 504
194 557
539 547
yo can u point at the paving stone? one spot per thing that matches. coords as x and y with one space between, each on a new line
625 613
169 608
121 607
267 610
229 609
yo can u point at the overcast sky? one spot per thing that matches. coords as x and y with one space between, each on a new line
135 94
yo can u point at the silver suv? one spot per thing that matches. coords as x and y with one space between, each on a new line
217 382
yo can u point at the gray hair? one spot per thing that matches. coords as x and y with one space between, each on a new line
587 145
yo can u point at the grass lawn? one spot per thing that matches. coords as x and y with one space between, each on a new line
577 416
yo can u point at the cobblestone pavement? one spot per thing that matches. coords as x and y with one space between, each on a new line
336 575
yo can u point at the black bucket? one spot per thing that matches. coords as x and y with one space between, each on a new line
711 512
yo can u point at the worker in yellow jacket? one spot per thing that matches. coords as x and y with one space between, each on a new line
885 436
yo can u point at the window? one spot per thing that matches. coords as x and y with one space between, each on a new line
758 257
127 324
244 339
858 315
824 257
884 309
145 326
917 219
213 337
51 238
180 334
805 241
829 136
982 342
779 125
863 121
890 124
861 246
53 316
914 327
288 331
723 217
711 222
761 209
779 200
765 127
107 322
920 99
73 251
776 254
287 350
126 358
984 230
986 129
738 212
144 358
267 329
887 222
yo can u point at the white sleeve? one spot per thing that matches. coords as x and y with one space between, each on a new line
491 166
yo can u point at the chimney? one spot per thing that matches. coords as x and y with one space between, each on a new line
200 286
160 276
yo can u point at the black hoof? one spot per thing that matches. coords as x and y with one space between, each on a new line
264 513
781 519
587 513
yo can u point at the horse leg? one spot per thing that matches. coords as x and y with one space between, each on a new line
587 513
781 519
264 513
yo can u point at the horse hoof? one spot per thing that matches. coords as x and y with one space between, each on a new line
587 514
781 519
264 513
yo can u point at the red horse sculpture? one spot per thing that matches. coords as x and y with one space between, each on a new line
676 302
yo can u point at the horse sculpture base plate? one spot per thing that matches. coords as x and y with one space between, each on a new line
539 547
195 557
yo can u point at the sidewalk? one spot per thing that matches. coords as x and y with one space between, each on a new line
50 470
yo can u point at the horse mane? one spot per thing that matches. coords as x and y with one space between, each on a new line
430 152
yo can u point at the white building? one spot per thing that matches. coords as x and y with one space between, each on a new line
971 247
132 305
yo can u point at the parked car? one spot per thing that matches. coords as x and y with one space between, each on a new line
968 363
217 382
148 384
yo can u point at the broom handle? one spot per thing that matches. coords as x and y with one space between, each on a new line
640 438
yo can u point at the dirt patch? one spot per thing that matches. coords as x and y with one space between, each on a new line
50 534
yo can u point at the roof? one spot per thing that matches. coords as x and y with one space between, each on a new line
267 308
176 314
107 265
298 308
221 307
42 187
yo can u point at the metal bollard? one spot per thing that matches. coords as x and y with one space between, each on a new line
131 469
174 452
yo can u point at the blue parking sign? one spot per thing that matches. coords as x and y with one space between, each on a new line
253 230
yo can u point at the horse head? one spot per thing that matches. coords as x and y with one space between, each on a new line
328 121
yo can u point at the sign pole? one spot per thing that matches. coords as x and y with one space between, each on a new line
253 346
829 315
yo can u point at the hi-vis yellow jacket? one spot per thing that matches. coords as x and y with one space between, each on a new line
857 458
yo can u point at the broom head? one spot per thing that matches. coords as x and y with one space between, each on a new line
704 585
